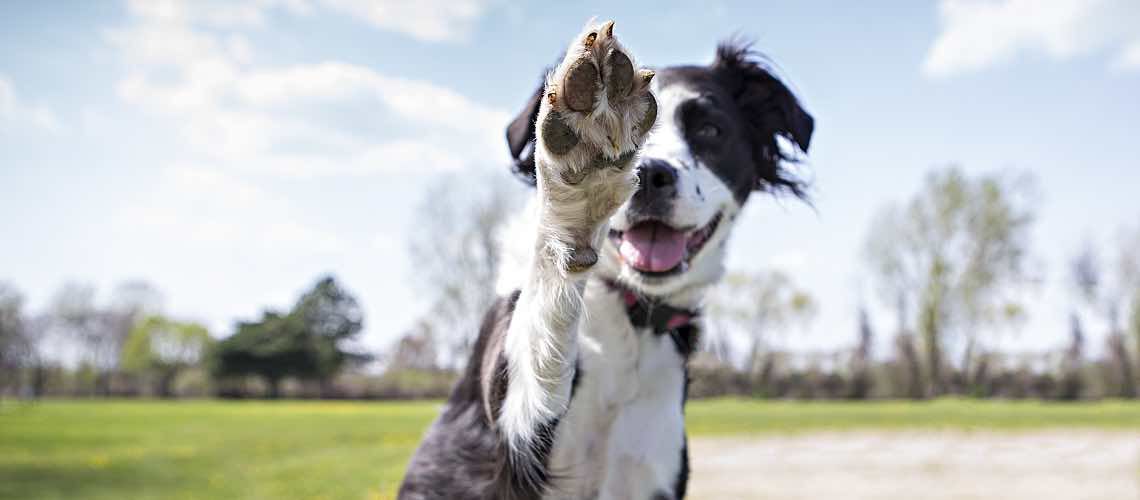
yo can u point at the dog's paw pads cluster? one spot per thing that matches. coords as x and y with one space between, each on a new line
595 113
597 93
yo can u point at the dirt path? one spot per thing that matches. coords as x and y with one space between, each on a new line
1053 465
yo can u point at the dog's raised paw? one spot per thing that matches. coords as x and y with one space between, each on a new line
596 111
597 99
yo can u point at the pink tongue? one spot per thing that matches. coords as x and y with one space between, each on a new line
652 247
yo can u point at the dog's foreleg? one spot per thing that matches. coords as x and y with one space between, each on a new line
594 114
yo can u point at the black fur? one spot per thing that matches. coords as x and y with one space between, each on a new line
577 378
769 108
685 339
681 484
463 456
521 137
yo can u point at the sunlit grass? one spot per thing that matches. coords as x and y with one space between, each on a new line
210 449
731 416
207 449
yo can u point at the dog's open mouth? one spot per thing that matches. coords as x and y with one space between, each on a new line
655 248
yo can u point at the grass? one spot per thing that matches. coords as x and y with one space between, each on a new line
213 449
730 416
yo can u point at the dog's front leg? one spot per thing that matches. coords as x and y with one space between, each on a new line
595 111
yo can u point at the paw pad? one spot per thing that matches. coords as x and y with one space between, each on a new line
620 163
581 86
581 259
619 83
557 135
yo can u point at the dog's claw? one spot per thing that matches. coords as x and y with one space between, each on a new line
608 28
573 177
646 76
591 38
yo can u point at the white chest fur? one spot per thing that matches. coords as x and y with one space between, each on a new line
622 435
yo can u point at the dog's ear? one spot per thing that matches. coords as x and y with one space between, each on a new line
520 137
771 111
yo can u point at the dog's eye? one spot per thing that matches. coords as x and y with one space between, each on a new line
708 130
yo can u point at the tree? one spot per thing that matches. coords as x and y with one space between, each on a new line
130 303
1128 271
1106 297
1134 322
331 317
416 350
861 359
953 257
308 342
455 254
757 305
272 348
100 332
73 310
1071 383
161 348
15 346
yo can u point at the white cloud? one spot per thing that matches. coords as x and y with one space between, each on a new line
1129 58
196 206
428 20
425 20
17 113
978 34
307 119
227 245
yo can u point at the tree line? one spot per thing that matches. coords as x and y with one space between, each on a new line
129 347
950 273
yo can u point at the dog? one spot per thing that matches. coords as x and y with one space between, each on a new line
577 382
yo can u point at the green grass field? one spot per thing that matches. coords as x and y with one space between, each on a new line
278 450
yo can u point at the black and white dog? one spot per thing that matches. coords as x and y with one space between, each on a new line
577 382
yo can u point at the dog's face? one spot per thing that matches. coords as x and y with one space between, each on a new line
714 143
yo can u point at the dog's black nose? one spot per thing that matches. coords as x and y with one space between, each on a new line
657 179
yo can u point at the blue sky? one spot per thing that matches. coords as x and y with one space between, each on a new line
229 152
